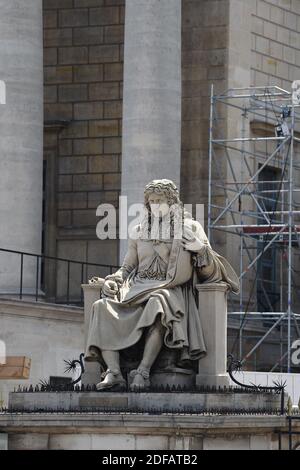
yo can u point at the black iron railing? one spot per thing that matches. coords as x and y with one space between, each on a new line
54 275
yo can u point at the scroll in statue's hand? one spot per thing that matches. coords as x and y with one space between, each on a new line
110 288
192 243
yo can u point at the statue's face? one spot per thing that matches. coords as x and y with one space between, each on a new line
158 204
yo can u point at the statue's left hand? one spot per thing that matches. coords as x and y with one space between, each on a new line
192 244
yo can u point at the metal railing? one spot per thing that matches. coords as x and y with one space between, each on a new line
54 276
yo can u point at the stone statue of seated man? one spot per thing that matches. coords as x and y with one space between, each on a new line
153 291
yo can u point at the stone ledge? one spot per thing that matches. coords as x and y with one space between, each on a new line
137 423
41 310
166 402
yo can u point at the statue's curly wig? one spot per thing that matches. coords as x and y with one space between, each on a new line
166 187
169 189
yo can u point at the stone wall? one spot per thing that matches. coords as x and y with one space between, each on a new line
275 43
204 62
83 73
102 431
45 333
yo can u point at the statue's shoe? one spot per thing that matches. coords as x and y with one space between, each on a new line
141 381
112 380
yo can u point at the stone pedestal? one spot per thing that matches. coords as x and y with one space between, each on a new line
213 313
91 295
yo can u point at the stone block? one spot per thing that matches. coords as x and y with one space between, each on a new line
57 37
88 73
65 146
122 15
104 16
270 30
88 146
104 53
56 4
67 442
98 197
50 94
216 73
104 91
65 183
72 165
112 181
28 441
289 54
50 142
283 35
148 442
262 45
103 163
260 442
104 128
88 3
276 50
58 111
258 25
58 74
87 36
112 145
113 442
290 20
84 218
214 13
225 443
3 441
88 110
76 200
114 34
113 72
74 17
72 93
113 109
103 251
50 18
76 129
64 218
87 182
263 9
114 2
73 55
50 56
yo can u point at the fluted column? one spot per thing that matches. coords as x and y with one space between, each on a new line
21 139
152 96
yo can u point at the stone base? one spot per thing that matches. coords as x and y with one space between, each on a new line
148 431
183 378
220 380
171 402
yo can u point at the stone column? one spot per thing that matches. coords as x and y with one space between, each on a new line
213 314
152 96
21 139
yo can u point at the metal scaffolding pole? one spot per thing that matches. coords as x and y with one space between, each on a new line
262 209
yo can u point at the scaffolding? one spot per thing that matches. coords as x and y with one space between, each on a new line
254 208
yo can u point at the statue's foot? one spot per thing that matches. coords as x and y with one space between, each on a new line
112 380
141 381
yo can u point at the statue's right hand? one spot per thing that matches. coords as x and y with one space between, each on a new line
110 288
